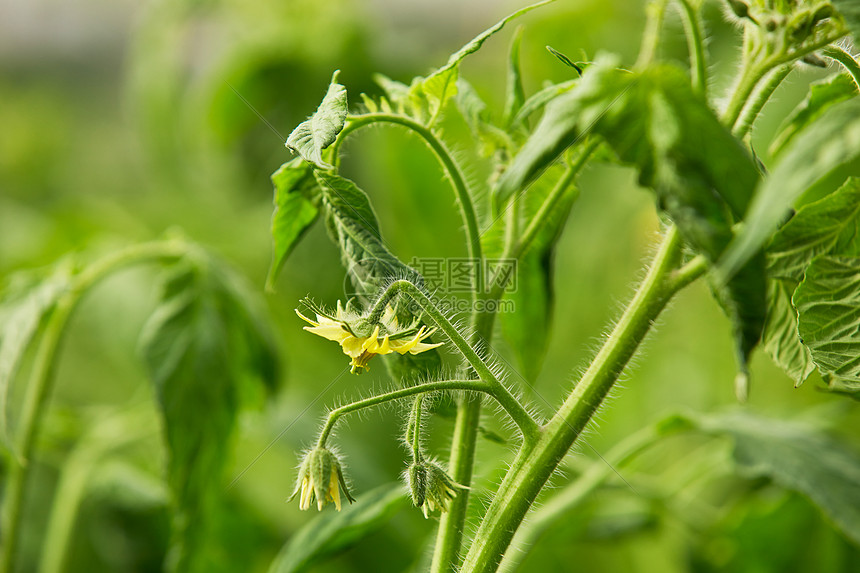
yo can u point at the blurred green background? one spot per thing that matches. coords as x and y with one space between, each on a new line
120 121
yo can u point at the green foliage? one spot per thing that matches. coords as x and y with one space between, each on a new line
822 94
826 145
825 227
24 304
311 137
330 533
702 177
797 457
201 345
296 209
829 318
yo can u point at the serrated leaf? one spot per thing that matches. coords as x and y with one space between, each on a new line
296 198
827 226
799 458
828 307
331 532
200 347
320 130
822 94
780 338
441 85
23 307
850 10
702 176
826 145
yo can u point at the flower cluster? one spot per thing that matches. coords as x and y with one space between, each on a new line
320 477
361 340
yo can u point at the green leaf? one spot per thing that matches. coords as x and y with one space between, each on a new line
296 198
780 338
24 303
822 94
829 143
475 112
441 85
321 129
201 346
828 307
850 10
702 176
799 458
514 93
352 225
828 226
540 99
527 329
331 532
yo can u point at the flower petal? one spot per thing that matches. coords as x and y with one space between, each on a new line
332 331
423 347
352 346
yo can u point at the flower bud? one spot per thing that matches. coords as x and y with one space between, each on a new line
432 488
321 478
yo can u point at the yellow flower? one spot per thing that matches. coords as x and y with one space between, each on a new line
361 340
320 477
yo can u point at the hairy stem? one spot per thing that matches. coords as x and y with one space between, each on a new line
753 70
536 462
575 493
418 390
844 58
498 390
452 170
759 99
695 45
41 380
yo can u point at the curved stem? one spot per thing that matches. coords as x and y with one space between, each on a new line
502 395
536 462
470 385
695 45
458 181
761 96
844 58
41 380
751 74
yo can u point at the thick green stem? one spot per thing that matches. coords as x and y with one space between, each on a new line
760 97
41 380
576 492
458 181
536 462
